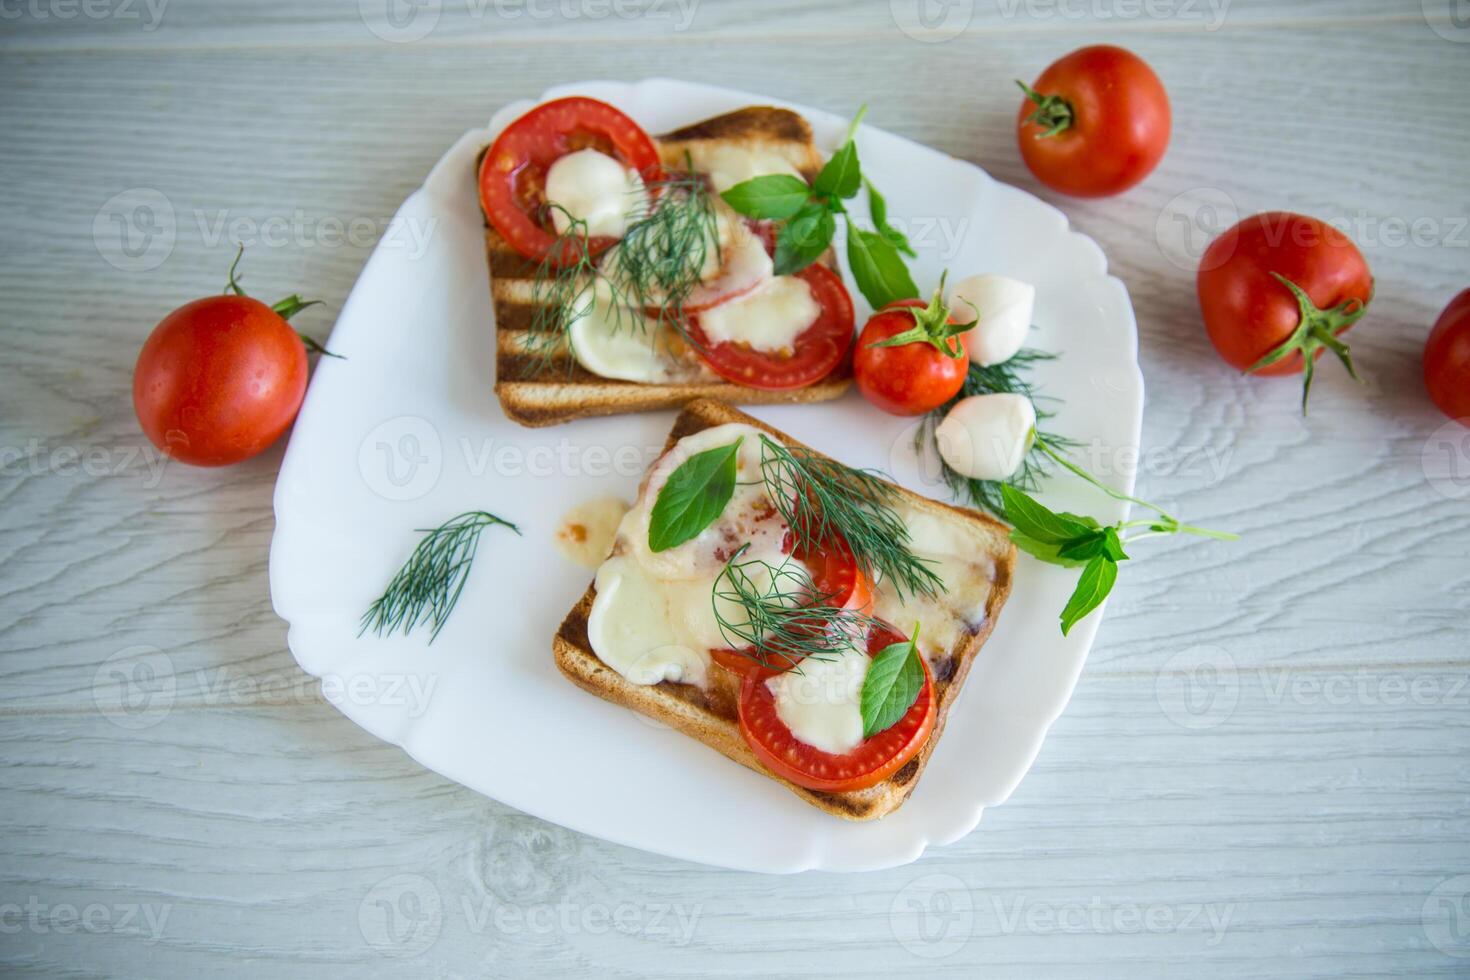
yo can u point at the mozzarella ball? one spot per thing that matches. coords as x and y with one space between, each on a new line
595 188
986 437
1004 307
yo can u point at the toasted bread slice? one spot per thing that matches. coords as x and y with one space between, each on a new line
711 715
563 390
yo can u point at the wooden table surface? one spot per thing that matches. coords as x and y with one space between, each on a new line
1264 768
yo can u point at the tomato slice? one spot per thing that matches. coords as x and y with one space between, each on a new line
513 171
867 765
836 575
818 351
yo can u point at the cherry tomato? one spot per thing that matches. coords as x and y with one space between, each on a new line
870 763
219 380
513 171
839 582
915 377
1447 360
1095 123
1278 289
817 353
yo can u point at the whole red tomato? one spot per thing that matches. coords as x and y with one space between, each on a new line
1095 123
1278 289
219 379
1447 360
910 358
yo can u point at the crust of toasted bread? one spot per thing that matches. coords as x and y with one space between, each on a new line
563 390
709 714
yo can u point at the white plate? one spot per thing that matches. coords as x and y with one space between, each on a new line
406 433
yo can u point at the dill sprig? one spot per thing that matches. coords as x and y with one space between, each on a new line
429 584
787 618
820 498
645 278
1007 378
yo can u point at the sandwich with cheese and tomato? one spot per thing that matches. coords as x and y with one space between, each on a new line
623 282
806 619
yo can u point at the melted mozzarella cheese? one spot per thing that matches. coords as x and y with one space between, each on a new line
750 515
960 560
625 345
727 165
630 629
767 319
654 615
585 535
595 188
821 701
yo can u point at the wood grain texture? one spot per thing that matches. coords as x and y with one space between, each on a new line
1273 732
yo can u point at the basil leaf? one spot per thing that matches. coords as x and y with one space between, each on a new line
1083 549
895 678
803 239
694 495
1035 521
878 208
877 268
840 177
1046 551
772 196
1113 545
1092 588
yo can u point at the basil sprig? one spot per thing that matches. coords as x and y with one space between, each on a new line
694 495
1072 540
895 678
809 216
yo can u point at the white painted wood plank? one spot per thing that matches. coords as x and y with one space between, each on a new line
56 25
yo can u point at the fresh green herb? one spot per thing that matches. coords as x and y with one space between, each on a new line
932 326
878 208
803 239
841 176
877 268
1071 540
655 267
783 619
820 498
894 680
427 587
773 196
694 495
872 256
1011 378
